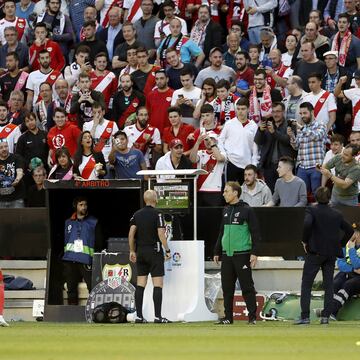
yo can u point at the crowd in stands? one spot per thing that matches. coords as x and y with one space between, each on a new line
264 92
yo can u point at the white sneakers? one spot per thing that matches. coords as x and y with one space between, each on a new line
3 322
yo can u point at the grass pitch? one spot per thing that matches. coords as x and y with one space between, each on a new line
270 340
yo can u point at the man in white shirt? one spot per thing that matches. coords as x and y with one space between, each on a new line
237 139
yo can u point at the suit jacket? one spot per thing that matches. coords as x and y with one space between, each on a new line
323 227
306 7
103 36
213 37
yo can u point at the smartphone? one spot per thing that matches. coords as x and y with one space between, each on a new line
180 96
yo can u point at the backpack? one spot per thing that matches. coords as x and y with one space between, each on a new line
110 313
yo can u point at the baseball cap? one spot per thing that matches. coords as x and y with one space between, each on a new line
357 74
333 53
216 48
175 143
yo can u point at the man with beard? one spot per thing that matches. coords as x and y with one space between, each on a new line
81 103
174 68
63 97
254 191
142 136
8 131
44 74
144 76
126 101
216 70
59 25
158 101
14 79
262 97
310 143
243 71
102 80
42 42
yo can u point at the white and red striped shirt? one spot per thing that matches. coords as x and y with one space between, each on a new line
87 168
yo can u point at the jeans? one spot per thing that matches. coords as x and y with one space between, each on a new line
311 177
254 34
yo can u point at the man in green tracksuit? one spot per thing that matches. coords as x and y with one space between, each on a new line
239 233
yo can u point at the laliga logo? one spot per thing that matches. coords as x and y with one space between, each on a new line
176 259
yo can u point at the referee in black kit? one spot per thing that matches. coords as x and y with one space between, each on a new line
148 227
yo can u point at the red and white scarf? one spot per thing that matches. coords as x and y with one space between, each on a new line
225 110
257 111
198 33
344 46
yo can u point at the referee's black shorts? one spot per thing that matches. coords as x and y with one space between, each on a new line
150 262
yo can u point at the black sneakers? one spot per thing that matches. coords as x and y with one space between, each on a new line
140 321
305 321
162 320
324 321
224 321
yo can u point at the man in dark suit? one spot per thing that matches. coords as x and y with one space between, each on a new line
322 244
213 31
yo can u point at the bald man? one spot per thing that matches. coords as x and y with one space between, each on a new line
148 227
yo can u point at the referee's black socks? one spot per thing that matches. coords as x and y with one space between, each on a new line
139 296
157 297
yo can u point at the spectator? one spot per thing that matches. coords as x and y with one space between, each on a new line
126 102
187 97
208 94
237 27
58 24
292 102
88 163
347 44
162 27
268 42
8 131
16 114
101 130
77 11
290 190
329 81
80 65
212 159
89 14
347 170
42 43
257 11
32 144
45 74
254 54
12 189
62 134
321 42
45 107
63 165
175 66
262 97
36 195
176 40
177 130
144 137
10 19
102 80
63 96
271 136
254 191
95 45
81 103
104 8
132 63
206 33
173 159
237 139
216 70
13 45
233 43
24 8
14 78
332 12
126 161
336 147
145 27
307 8
159 100
243 72
120 53
310 144
350 6
111 33
309 64
353 95
291 43
224 103
144 76
323 102
40 7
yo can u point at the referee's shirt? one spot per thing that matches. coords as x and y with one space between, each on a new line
147 221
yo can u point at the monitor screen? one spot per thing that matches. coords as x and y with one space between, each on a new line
173 197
